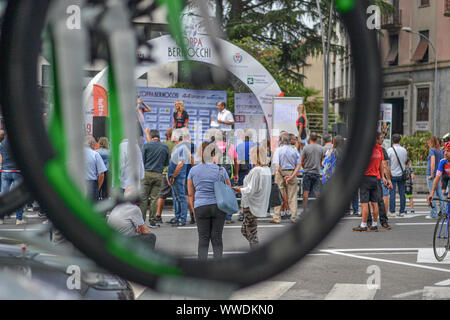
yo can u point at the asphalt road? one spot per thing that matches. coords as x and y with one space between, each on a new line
395 264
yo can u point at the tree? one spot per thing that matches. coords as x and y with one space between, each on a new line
291 26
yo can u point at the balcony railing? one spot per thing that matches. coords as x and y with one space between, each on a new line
341 93
392 20
447 8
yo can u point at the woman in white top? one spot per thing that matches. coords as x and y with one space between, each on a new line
255 193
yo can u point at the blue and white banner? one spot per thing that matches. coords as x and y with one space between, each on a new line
248 114
201 105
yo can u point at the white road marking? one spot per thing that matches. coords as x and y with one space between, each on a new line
373 249
391 253
267 290
426 255
436 293
443 283
347 291
12 230
239 227
407 294
416 224
138 289
342 253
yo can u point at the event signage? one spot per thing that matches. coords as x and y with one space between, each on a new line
202 49
385 124
249 115
201 105
286 114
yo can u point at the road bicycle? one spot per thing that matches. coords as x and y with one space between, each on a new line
441 240
43 156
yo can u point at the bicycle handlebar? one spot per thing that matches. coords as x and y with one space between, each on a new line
439 199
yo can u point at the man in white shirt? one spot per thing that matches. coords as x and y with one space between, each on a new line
225 118
397 160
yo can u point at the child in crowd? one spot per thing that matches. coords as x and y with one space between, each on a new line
409 184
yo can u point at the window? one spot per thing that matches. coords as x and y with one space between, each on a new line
423 103
422 51
392 58
424 3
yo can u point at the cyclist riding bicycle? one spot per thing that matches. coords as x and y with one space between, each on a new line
444 166
445 176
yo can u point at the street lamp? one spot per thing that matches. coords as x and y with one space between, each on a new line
436 84
326 58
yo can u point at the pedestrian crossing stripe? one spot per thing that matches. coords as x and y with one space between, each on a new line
267 290
436 293
346 291
426 255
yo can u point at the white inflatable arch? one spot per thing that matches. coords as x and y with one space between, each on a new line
201 49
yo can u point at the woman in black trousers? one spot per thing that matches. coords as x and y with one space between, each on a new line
210 220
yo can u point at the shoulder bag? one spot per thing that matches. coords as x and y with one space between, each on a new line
225 197
405 174
275 196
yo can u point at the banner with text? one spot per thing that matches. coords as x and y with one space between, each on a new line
385 124
201 105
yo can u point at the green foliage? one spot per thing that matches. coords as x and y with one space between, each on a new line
291 26
417 147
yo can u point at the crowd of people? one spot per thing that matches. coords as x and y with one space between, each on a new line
177 168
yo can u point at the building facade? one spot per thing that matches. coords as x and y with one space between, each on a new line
408 63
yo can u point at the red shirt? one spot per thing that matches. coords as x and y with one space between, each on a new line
375 161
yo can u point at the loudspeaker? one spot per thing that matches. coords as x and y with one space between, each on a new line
99 127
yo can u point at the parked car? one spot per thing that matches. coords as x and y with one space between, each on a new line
30 274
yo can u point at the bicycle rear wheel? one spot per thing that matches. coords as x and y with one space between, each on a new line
441 238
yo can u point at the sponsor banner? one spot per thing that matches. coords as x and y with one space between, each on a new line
247 104
201 106
201 49
385 124
285 113
100 101
241 64
249 116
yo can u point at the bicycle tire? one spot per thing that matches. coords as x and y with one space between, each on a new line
441 227
19 52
